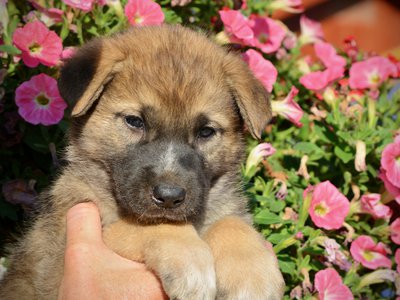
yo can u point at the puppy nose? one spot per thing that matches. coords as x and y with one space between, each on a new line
168 196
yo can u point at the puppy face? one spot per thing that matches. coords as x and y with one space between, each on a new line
162 110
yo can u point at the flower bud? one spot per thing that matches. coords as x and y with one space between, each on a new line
359 162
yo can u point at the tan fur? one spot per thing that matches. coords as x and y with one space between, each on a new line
239 253
180 75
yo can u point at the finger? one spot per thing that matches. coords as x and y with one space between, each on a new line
83 224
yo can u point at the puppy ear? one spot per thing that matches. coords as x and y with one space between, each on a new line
250 95
84 76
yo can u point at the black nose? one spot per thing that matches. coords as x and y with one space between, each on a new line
168 196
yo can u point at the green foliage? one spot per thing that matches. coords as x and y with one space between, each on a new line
324 148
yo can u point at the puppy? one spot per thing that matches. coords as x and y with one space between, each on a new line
156 141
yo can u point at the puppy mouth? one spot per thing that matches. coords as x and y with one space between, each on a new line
162 216
155 215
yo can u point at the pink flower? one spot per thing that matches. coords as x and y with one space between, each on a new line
328 207
49 16
371 73
38 44
281 194
263 33
319 80
397 259
256 155
260 152
395 231
335 255
262 69
292 6
370 255
392 189
85 5
237 26
288 108
390 162
334 64
144 12
328 55
311 31
315 81
68 52
330 286
371 204
39 100
268 34
290 40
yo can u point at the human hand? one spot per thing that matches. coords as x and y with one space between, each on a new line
93 271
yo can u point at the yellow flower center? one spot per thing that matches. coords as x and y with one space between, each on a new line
35 48
263 38
368 255
321 209
375 78
138 19
42 100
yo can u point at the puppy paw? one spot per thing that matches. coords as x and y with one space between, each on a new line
244 266
255 277
186 269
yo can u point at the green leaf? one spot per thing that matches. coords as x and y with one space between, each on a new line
314 251
266 217
323 133
64 29
305 262
365 134
346 136
286 264
344 156
316 156
372 171
275 238
171 17
276 206
9 49
93 30
307 147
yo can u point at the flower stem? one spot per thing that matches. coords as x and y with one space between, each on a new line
371 112
285 244
304 211
377 276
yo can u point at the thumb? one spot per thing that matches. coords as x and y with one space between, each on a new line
84 224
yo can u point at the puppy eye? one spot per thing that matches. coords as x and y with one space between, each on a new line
134 122
206 132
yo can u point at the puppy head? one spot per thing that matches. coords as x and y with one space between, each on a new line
162 110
